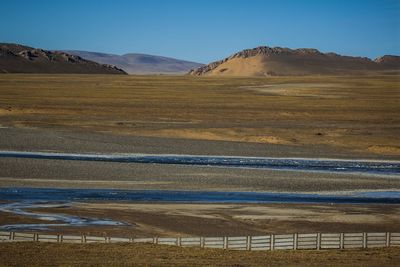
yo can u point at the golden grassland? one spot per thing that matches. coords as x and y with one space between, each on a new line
356 113
42 254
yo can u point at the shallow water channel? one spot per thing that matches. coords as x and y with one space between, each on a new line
23 201
296 164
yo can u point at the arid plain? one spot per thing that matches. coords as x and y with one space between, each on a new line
316 117
342 117
331 116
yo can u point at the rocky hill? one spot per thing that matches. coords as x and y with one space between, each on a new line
139 63
15 58
388 61
277 61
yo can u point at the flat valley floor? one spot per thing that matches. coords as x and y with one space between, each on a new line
313 117
350 117
329 116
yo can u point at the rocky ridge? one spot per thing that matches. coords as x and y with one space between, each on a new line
16 58
331 63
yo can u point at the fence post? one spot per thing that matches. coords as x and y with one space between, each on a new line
341 240
248 243
272 240
178 242
364 240
388 236
318 241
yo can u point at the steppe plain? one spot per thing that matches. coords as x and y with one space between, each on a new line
346 117
353 115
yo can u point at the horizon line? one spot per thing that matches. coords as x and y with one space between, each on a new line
188 60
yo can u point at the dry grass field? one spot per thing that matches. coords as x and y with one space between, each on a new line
280 116
356 114
339 117
41 254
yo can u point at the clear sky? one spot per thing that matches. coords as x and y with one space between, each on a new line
203 30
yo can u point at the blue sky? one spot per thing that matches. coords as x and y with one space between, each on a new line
204 30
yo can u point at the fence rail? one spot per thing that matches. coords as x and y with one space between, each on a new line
266 242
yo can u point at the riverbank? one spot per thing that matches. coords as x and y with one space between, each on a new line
206 219
18 172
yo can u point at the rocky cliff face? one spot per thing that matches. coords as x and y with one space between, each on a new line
15 58
268 61
389 61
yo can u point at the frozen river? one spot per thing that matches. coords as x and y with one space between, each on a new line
296 164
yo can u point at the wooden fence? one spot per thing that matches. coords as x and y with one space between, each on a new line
265 242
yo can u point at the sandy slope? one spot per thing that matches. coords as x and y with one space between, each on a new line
277 61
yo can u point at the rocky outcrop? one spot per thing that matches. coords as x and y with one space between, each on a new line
265 61
389 61
15 58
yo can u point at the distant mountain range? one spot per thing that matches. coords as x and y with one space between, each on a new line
260 61
277 61
139 63
15 58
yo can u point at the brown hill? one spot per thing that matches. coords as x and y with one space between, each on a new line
388 61
15 58
277 61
